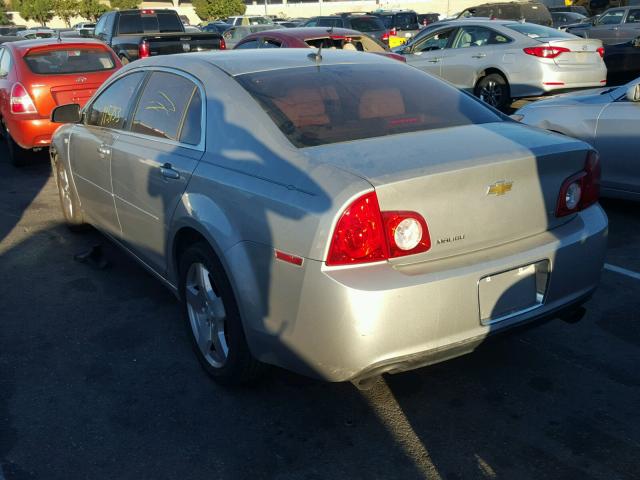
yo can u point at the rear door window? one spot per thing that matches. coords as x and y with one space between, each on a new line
612 17
69 60
633 16
474 36
367 24
5 62
339 103
110 109
163 105
248 44
270 43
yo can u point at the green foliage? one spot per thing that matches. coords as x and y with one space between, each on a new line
215 9
66 10
40 11
91 9
125 4
4 18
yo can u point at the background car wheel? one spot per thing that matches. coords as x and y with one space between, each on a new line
124 60
494 90
212 318
18 156
68 199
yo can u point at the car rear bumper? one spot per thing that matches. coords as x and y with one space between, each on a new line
31 132
549 77
351 323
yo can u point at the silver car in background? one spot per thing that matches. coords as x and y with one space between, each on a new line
608 119
340 215
500 60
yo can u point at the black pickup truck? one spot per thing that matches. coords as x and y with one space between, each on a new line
135 34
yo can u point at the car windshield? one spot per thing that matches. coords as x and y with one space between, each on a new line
71 60
338 103
538 32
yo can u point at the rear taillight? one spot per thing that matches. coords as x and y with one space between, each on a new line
223 44
365 234
580 190
546 52
144 50
393 32
600 51
385 37
20 100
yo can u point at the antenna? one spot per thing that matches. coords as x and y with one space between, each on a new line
317 56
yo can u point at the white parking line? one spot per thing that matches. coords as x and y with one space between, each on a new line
622 271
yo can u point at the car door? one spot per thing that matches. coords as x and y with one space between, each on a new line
630 29
608 26
428 53
153 161
90 147
473 49
618 142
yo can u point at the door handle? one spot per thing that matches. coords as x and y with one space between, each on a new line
479 55
103 150
434 60
167 171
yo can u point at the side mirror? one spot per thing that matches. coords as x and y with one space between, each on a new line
66 114
633 93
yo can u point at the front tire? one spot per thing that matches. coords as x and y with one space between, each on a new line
494 90
212 318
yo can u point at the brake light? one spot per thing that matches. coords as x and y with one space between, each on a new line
365 234
385 37
393 32
147 12
546 52
600 51
20 100
223 44
144 50
582 189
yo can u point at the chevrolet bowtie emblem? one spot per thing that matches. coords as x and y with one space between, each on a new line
499 188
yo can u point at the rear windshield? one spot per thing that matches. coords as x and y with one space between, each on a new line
367 24
73 60
137 23
538 32
340 42
338 103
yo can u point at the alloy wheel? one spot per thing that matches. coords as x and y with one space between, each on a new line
491 92
207 315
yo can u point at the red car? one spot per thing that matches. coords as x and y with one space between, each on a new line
36 76
313 37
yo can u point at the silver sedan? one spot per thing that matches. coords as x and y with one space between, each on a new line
606 118
501 60
339 213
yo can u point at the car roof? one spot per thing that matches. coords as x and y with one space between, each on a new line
24 45
240 62
303 33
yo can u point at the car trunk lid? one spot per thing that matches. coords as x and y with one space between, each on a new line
498 185
583 51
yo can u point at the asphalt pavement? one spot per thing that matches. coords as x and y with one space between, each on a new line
97 381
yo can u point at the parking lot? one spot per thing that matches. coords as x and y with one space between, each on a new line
97 380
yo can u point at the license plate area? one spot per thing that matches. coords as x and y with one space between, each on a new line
506 294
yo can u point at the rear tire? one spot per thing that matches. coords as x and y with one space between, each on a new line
69 202
493 89
212 318
18 156
124 60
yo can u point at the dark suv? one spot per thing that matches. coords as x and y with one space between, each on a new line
369 24
532 12
403 23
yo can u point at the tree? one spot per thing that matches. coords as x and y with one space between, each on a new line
124 4
215 9
91 9
66 10
38 10
4 17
